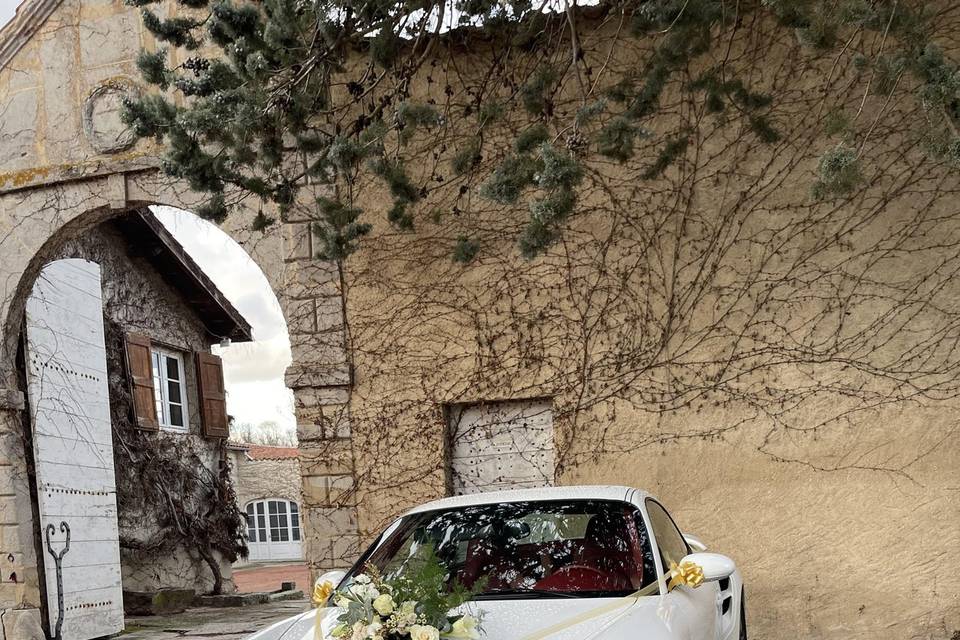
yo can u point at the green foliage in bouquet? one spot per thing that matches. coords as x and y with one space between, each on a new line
413 601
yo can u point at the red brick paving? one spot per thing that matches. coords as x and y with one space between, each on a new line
268 577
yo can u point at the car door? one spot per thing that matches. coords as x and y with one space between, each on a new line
692 609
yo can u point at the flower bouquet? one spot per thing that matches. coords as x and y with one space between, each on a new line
412 603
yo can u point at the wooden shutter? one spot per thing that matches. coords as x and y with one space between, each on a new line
213 398
140 374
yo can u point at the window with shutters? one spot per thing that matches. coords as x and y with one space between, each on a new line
170 390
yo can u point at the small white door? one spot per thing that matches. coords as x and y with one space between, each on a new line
273 530
73 450
501 445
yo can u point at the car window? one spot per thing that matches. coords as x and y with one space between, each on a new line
590 548
673 548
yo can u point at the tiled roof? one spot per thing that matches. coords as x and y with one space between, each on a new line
259 452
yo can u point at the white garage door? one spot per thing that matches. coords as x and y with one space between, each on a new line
73 450
501 445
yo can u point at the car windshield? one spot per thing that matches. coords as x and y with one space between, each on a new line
526 549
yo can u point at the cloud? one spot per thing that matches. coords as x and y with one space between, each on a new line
252 371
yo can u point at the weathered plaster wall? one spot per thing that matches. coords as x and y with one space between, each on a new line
139 300
257 479
845 527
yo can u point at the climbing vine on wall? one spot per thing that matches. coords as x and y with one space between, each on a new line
169 489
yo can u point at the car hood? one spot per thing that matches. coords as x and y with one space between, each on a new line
580 619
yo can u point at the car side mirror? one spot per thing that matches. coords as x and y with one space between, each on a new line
333 577
695 543
715 566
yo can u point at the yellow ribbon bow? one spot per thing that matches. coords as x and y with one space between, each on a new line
321 593
686 573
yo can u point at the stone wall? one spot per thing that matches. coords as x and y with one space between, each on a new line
258 479
66 165
713 334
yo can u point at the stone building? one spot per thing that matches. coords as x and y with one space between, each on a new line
540 372
268 485
161 314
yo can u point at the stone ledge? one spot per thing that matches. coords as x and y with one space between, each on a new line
152 603
247 599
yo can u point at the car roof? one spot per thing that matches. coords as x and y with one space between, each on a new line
581 492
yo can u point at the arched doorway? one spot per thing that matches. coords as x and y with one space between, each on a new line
41 219
273 530
127 289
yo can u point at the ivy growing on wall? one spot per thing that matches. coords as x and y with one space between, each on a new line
265 99
168 488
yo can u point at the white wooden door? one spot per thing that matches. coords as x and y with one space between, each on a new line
73 449
273 530
501 445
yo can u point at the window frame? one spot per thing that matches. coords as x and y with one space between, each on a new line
161 381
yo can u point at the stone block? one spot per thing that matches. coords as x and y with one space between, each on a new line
301 315
340 490
310 279
232 600
18 130
318 349
106 39
22 624
297 241
345 550
310 397
326 458
327 422
329 311
315 491
332 375
155 603
8 509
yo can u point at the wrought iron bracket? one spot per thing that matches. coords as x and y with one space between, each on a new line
58 563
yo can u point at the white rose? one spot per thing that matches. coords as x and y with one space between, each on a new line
364 591
465 627
383 604
359 631
362 578
424 632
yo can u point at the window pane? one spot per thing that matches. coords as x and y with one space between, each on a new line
282 523
296 534
274 506
250 509
673 547
273 521
260 508
176 415
173 368
274 535
261 523
284 536
174 387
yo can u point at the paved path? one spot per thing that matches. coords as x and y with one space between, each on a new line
210 623
267 577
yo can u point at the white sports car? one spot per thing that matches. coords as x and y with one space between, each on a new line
563 563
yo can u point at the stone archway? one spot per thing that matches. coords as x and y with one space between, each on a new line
39 218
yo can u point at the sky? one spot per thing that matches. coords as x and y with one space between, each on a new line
7 9
253 371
